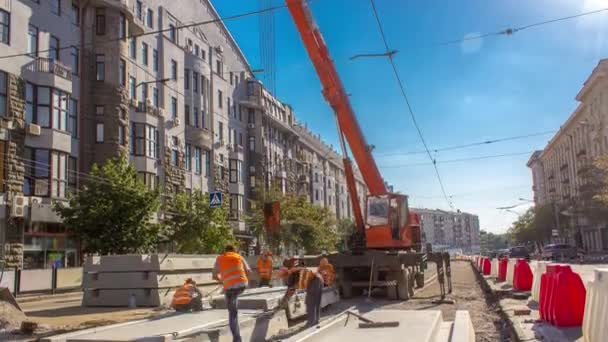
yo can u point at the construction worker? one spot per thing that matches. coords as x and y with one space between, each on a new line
187 297
288 266
305 279
264 264
327 272
231 269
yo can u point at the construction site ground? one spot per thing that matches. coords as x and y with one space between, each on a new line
62 313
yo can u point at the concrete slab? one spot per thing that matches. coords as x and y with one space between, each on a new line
201 326
414 326
143 280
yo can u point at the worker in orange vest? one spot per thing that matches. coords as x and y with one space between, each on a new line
187 297
231 269
264 264
288 266
304 279
327 272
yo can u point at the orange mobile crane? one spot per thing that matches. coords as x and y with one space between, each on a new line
386 248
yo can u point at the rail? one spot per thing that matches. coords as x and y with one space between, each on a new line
49 65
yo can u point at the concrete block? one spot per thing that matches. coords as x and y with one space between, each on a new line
510 271
35 280
462 330
494 272
596 308
69 278
142 280
148 262
143 297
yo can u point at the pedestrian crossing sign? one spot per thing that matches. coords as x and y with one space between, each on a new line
215 199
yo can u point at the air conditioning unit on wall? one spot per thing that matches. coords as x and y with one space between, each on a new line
18 206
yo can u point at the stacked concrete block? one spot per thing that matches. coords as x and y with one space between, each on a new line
148 279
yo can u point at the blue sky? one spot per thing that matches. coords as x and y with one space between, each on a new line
463 93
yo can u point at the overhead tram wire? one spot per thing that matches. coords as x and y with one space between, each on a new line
411 112
462 146
458 160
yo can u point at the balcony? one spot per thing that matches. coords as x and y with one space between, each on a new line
236 151
136 25
49 72
198 136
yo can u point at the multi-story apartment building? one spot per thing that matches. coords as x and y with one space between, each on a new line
556 170
90 80
447 230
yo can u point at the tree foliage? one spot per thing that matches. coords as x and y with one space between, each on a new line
491 242
111 213
303 225
593 198
535 225
196 228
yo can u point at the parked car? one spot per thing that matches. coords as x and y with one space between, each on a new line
559 251
519 252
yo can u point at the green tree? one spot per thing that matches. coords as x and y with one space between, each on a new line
111 213
491 242
196 228
535 225
593 199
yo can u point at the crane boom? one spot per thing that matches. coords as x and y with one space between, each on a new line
336 96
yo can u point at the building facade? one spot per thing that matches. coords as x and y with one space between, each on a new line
557 169
91 80
447 230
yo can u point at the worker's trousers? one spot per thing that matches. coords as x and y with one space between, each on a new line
232 302
314 292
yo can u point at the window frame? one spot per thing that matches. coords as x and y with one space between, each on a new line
6 26
100 21
98 139
100 67
36 37
4 94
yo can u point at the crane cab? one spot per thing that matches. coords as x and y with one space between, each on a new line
389 223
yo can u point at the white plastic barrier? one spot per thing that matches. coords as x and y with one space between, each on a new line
494 271
510 270
596 308
537 272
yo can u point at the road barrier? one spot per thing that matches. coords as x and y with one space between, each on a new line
510 271
522 276
596 308
502 269
538 270
562 296
486 266
494 271
42 280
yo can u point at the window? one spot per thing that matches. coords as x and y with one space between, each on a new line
150 18
144 54
72 175
139 10
150 180
238 108
236 80
203 122
59 179
73 120
37 173
174 70
251 116
122 72
122 26
187 113
188 157
144 140
252 143
53 52
196 50
133 48
316 195
74 54
219 68
203 53
132 86
99 133
155 97
195 114
172 33
240 139
195 81
207 163
5 27
43 107
173 108
60 110
174 151
220 99
186 78
235 167
100 67
3 94
236 206
231 78
55 6
32 41
100 21
221 131
197 160
155 60
75 15
144 92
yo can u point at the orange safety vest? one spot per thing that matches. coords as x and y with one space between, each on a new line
328 274
264 268
183 295
304 278
232 269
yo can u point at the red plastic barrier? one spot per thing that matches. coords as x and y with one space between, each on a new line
522 276
569 305
487 266
547 290
502 269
